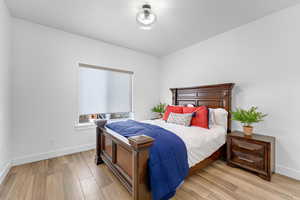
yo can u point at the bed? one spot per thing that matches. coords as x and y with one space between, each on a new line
127 157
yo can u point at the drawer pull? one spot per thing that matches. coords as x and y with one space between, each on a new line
247 160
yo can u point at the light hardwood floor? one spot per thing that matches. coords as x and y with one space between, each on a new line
76 176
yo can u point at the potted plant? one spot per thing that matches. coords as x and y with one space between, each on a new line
160 109
247 118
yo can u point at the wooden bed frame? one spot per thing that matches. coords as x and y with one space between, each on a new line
128 160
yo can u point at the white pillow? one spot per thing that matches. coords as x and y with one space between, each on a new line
218 117
211 119
190 105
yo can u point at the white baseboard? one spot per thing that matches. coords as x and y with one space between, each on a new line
288 172
4 171
52 154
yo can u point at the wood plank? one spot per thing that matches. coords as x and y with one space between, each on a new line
39 186
28 189
21 169
196 187
254 180
98 172
218 180
185 193
91 190
7 184
113 192
56 164
20 186
79 167
40 166
210 186
72 188
55 187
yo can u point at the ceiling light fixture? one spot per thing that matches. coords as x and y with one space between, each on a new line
145 17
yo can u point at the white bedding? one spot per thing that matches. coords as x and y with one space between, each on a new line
200 142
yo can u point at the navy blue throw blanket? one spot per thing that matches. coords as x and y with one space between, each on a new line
168 163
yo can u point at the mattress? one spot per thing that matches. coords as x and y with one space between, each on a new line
200 142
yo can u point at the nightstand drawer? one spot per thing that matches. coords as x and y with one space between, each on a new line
248 147
245 159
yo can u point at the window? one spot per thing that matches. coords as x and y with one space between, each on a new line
104 93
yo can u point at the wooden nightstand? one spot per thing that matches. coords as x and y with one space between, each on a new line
255 153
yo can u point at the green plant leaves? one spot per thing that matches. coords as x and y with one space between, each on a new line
160 108
248 117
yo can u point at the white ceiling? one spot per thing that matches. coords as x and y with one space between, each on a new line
180 22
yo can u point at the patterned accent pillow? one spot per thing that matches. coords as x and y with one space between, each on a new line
174 109
180 119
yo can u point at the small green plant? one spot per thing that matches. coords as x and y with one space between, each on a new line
160 108
248 117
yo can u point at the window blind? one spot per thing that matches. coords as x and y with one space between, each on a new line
104 91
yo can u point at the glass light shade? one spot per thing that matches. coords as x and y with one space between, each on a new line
146 18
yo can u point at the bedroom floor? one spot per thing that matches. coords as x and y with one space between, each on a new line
77 177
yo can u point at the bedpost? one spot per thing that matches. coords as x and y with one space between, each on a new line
99 130
140 187
174 96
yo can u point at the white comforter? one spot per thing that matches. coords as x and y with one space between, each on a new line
200 142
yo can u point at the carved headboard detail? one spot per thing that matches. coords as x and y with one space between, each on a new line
212 96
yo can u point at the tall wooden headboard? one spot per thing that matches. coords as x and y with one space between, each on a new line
212 96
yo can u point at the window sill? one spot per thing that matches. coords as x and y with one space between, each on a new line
91 125
84 126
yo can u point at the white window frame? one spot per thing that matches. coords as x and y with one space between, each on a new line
91 125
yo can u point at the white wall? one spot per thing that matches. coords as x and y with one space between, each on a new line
262 58
5 89
45 99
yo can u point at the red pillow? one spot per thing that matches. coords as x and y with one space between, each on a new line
201 115
173 109
189 109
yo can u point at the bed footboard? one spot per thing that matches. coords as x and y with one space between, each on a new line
127 160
